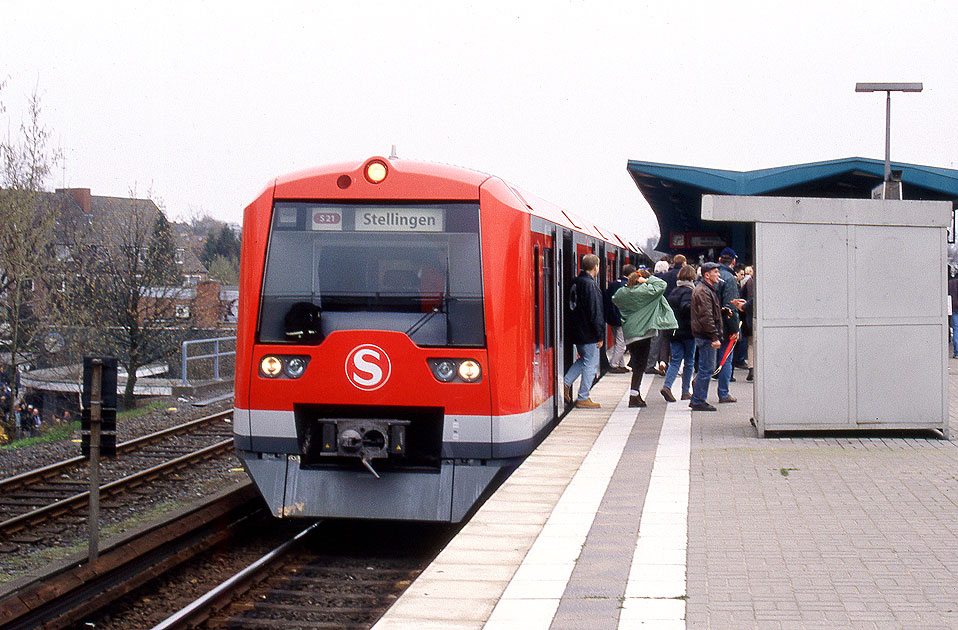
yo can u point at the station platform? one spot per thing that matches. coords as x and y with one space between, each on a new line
661 517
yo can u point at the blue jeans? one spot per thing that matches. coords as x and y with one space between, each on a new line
586 366
700 389
954 335
725 376
682 349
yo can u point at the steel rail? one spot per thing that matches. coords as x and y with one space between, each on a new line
52 470
73 591
199 610
111 489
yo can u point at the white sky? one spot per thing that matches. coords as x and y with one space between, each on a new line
204 102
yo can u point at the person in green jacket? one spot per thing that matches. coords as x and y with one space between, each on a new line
644 310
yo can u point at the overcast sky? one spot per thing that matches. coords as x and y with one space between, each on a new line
204 102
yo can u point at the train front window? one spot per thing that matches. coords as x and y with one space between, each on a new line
412 268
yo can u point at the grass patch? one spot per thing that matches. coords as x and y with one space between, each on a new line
65 431
53 434
140 411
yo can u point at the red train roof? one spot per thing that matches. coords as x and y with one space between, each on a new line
444 180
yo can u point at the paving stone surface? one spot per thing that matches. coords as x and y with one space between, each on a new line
820 531
793 531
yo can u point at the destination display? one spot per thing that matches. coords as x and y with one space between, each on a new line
400 219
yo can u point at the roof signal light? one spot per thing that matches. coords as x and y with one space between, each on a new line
376 171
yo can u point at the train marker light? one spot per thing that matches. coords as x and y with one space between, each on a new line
271 366
295 367
376 172
445 370
469 370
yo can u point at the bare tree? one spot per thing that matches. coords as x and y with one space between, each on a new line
134 286
27 221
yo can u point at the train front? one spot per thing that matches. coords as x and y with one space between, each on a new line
361 383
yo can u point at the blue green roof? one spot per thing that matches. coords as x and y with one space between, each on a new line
769 180
675 191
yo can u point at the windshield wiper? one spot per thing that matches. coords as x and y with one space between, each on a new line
422 321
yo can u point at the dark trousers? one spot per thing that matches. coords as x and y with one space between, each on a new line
640 354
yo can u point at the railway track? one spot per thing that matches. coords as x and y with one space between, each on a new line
68 594
47 493
341 575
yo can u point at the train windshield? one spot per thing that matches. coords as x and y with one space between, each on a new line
412 268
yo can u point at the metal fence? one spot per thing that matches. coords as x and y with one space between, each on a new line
215 358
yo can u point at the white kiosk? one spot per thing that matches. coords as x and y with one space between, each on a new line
850 311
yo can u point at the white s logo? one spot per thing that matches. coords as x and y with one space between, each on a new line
368 367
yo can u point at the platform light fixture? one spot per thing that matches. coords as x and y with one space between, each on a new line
888 88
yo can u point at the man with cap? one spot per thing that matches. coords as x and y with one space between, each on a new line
731 305
707 332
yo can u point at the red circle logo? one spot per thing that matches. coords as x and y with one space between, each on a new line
368 367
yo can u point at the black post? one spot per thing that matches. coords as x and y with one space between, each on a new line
93 523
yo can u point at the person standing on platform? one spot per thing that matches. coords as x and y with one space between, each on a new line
586 329
731 305
645 312
953 294
683 343
672 275
707 331
614 319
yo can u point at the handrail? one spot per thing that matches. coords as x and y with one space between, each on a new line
215 355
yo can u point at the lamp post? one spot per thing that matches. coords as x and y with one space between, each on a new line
888 88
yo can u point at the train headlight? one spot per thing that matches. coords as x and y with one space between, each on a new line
295 367
376 172
271 366
445 370
469 370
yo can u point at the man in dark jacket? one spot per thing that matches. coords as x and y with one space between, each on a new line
586 329
671 276
731 305
707 330
614 319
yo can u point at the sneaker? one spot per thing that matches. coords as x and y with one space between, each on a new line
651 370
727 399
636 401
686 396
702 407
618 370
667 394
586 404
751 375
567 393
660 368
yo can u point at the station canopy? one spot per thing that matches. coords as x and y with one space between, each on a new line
675 194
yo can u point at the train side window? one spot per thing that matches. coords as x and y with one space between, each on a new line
537 299
548 283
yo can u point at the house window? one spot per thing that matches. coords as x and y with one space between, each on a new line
28 284
183 311
179 256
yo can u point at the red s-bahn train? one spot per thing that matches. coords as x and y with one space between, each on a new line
400 336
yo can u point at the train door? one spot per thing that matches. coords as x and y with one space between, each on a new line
567 273
550 323
603 279
543 363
